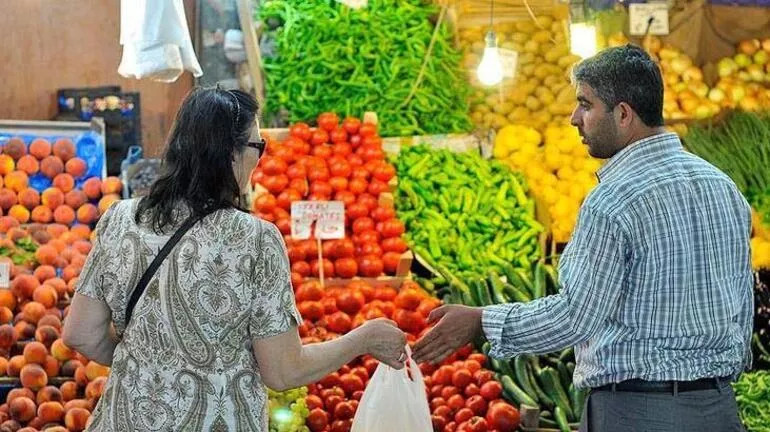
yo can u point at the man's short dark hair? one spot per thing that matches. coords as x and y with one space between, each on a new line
625 74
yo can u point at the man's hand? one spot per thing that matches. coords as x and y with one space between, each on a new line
457 325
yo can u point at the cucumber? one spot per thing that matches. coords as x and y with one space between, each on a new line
517 393
475 293
484 292
566 377
553 388
542 397
546 422
552 280
516 294
561 419
577 399
571 369
497 288
501 366
567 354
522 378
538 281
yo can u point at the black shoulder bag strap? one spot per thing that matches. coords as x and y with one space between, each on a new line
150 272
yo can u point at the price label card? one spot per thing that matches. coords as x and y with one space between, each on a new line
509 60
328 217
5 275
640 15
354 4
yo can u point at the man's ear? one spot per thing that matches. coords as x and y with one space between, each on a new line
625 114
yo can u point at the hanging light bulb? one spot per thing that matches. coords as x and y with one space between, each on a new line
490 70
582 39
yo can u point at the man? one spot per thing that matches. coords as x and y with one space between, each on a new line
657 283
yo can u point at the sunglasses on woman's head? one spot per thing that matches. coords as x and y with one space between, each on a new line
258 145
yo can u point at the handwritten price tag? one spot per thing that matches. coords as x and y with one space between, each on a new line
327 216
509 60
639 15
5 275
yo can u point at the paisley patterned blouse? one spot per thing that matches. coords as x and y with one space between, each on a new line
185 362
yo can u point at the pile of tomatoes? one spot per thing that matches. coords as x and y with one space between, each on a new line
463 395
335 161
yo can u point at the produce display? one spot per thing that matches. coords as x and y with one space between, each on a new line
464 213
463 394
744 79
339 51
341 161
752 392
760 342
558 169
740 147
540 94
44 183
288 410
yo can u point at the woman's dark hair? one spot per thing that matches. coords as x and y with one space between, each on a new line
212 125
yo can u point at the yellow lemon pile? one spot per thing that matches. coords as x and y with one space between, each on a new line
760 243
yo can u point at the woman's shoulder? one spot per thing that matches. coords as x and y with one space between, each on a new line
244 221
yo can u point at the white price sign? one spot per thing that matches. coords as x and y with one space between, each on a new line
509 59
327 216
354 4
640 15
5 275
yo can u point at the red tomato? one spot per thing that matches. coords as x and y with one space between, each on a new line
322 151
377 187
256 176
367 129
357 185
341 425
437 402
296 279
353 159
265 203
317 420
342 149
286 197
338 135
299 185
370 152
343 411
472 366
328 268
358 395
300 130
275 184
443 411
360 172
503 417
328 121
392 228
347 197
362 373
310 247
368 200
374 141
319 137
311 310
317 173
313 401
449 391
409 299
351 125
296 254
370 266
477 424
384 172
329 304
371 365
381 214
385 294
373 249
471 390
350 301
320 188
477 404
298 146
394 244
463 414
451 427
390 261
296 171
345 249
301 267
481 358
439 423
491 390
351 383
272 165
339 322
362 224
355 211
345 267
317 197
461 378
333 386
340 168
409 321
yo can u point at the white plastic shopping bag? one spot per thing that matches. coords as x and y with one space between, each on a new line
393 401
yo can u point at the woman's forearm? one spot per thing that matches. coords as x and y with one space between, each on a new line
98 349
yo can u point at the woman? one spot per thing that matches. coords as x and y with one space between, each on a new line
217 321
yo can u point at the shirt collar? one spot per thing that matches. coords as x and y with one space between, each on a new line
660 143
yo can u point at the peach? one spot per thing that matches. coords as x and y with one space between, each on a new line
69 273
80 376
106 202
61 352
57 242
24 330
10 426
75 198
42 214
92 188
22 409
76 167
24 285
87 213
51 366
29 198
8 336
7 223
20 213
35 352
33 377
7 164
40 148
42 237
15 148
59 285
44 272
16 234
68 238
28 164
20 392
71 285
3 366
64 215
8 198
53 312
78 261
6 315
112 185
69 391
81 231
55 429
50 411
64 182
15 364
51 166
7 299
95 388
49 394
46 295
76 418
34 425
17 181
33 311
64 148
52 198
49 319
95 370
46 255
70 367
46 335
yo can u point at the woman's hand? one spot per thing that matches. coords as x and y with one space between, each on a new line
385 342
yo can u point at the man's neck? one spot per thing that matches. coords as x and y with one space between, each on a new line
644 133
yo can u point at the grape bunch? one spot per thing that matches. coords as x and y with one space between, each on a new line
288 410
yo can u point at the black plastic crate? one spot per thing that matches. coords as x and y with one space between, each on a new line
68 99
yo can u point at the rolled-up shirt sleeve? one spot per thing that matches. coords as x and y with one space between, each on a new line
592 270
